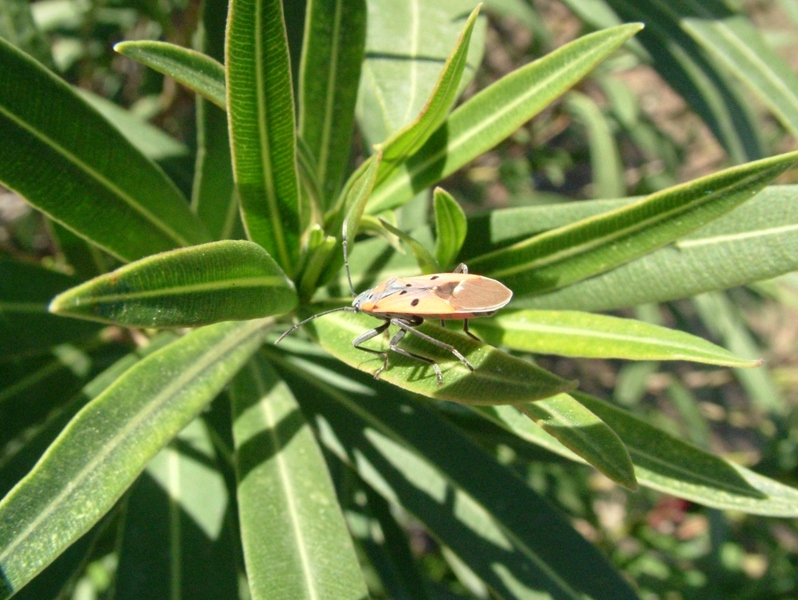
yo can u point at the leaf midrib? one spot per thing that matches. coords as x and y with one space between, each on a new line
97 176
251 282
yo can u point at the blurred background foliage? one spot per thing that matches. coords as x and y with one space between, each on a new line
671 111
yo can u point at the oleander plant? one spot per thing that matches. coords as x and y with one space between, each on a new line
155 441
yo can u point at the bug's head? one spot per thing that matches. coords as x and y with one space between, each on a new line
360 299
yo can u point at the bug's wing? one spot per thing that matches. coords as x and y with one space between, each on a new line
412 301
479 294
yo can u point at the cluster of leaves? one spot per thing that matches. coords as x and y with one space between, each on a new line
113 450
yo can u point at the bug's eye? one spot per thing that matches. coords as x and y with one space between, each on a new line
415 302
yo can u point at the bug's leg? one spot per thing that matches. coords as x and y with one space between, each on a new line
409 325
372 333
468 333
394 345
462 269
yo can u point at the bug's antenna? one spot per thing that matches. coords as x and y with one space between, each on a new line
346 261
309 319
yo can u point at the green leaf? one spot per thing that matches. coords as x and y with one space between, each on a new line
352 202
332 56
108 443
179 503
571 333
221 281
320 253
450 227
606 165
732 41
582 432
195 70
563 256
358 192
25 326
60 578
213 195
758 240
27 437
152 142
498 377
85 175
426 262
502 227
296 544
408 140
495 113
406 47
493 521
261 113
668 464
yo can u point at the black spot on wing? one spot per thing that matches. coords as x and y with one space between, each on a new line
415 302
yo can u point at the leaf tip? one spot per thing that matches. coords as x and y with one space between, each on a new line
56 305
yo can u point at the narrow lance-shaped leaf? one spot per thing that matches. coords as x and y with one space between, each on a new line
18 462
756 241
426 261
571 333
498 378
409 139
584 433
352 202
68 162
104 448
221 281
563 256
261 111
213 194
296 544
334 43
407 44
197 71
152 142
606 165
450 227
668 464
495 113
